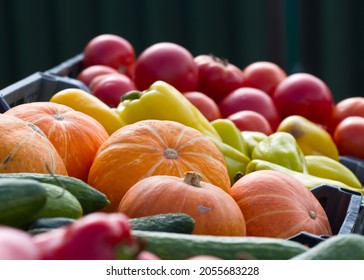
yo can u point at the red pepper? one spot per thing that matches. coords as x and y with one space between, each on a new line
146 255
96 236
16 244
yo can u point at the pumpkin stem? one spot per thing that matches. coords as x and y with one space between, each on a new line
192 178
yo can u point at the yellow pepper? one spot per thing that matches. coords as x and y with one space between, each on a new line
163 102
308 180
312 139
89 104
325 167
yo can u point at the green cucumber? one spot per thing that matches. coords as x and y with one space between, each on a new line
170 222
60 203
337 247
46 224
51 223
177 246
20 200
90 198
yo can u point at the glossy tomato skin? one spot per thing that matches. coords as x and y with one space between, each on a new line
246 98
168 62
306 95
89 73
248 120
351 106
110 88
217 77
205 104
349 136
111 50
263 75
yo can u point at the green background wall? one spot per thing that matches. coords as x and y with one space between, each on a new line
323 37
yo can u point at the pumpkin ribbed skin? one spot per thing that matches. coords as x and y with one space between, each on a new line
24 148
154 147
75 135
214 211
276 205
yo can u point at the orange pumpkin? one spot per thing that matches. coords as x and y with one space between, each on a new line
215 212
75 135
25 148
154 147
276 205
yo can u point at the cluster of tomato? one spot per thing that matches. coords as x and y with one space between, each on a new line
257 97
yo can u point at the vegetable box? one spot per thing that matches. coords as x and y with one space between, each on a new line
40 86
344 208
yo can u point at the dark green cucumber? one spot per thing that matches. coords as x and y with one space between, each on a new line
170 222
177 246
60 203
90 199
20 200
45 224
337 247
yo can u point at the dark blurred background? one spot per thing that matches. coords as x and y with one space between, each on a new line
324 38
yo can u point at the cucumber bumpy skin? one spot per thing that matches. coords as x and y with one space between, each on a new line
176 246
170 222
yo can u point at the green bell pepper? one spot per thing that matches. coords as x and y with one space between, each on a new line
251 139
281 148
236 162
230 134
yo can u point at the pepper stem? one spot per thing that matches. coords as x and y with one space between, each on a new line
193 178
131 95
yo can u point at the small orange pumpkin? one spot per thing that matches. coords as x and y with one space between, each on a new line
25 148
276 205
75 135
215 212
154 147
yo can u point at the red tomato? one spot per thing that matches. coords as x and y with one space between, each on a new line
349 136
110 88
205 104
352 106
246 98
248 120
263 75
306 95
111 50
89 73
217 77
168 62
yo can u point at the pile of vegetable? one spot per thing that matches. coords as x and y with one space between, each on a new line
175 156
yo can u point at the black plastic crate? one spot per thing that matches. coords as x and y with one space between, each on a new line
39 86
344 209
70 68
